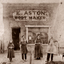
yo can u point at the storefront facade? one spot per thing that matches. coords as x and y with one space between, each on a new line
29 20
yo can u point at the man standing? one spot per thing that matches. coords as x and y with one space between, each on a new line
23 47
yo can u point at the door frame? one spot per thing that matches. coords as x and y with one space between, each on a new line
11 31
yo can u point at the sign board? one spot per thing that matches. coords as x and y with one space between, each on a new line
31 15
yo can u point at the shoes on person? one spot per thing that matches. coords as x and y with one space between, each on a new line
25 60
46 61
52 61
38 58
49 61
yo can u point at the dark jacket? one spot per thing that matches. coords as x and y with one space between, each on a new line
23 47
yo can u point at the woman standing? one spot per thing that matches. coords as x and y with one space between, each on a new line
10 51
38 50
23 46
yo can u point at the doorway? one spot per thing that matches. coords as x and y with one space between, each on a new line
15 37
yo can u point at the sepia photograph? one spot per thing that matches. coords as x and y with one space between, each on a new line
31 31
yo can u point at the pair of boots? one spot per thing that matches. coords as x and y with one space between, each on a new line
48 57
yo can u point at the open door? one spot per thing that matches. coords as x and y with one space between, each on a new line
15 37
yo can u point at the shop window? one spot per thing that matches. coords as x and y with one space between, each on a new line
33 36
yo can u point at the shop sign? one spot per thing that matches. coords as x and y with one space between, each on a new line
31 15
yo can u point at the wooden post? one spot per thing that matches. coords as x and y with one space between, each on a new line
27 34
30 57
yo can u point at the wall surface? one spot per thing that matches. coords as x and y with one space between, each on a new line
57 29
60 24
30 1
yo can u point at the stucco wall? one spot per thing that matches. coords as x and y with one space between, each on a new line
9 22
57 24
60 24
30 1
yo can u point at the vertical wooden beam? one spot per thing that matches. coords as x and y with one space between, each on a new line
27 34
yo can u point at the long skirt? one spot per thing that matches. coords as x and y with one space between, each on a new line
10 51
24 49
38 51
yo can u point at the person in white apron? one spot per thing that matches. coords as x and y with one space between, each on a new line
51 49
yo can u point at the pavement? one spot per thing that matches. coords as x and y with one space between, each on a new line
18 59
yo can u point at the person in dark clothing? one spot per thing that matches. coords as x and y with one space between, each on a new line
10 50
23 46
38 49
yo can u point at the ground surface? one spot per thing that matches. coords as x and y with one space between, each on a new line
18 60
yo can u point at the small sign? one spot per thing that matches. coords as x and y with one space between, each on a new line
31 15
